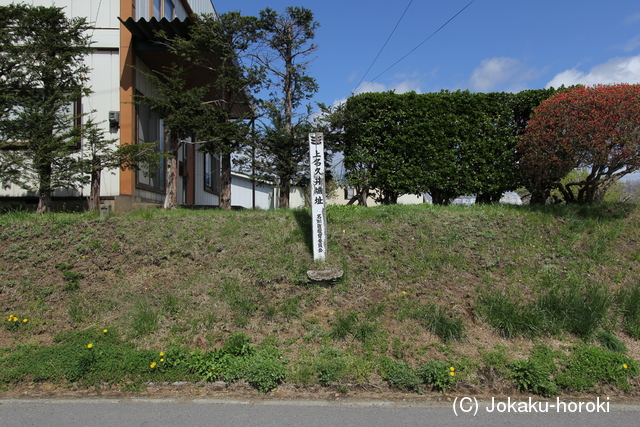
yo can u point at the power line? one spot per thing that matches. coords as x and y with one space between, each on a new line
421 43
97 14
385 44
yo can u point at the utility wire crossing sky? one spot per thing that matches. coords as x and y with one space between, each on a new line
479 45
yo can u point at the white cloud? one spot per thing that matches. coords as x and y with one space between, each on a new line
617 70
370 87
407 86
633 19
338 102
500 73
631 44
401 86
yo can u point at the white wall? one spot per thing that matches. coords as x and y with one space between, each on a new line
242 193
405 199
104 77
198 6
296 197
142 10
104 80
202 197
202 6
103 15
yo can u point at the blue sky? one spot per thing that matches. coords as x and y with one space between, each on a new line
493 45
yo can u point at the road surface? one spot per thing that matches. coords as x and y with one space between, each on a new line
90 412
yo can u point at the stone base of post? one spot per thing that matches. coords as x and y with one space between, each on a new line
327 276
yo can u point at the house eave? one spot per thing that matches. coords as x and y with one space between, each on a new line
149 47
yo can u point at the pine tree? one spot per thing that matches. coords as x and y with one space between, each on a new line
218 111
102 154
285 54
46 76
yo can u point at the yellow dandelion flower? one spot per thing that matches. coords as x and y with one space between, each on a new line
213 368
105 331
15 319
452 369
404 292
161 353
89 345
153 365
162 360
25 320
624 365
453 374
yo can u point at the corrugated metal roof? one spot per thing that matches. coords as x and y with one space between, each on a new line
146 30
157 57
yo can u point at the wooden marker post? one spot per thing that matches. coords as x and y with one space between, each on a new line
318 196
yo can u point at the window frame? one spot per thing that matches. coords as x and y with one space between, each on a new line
142 137
211 176
75 117
158 9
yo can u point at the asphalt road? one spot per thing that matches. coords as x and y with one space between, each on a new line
212 412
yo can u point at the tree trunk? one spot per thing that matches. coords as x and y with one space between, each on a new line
439 197
539 197
171 191
285 184
603 187
94 199
567 193
363 195
44 202
171 178
590 191
44 193
225 183
285 189
389 198
488 198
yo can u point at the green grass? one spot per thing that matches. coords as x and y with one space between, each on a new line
629 302
435 319
344 325
424 287
510 316
145 319
587 367
535 373
576 309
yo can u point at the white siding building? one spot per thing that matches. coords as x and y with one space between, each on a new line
122 42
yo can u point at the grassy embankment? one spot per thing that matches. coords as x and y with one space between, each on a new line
467 299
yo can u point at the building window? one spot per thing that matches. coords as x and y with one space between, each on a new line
157 9
169 10
349 193
212 174
68 120
150 130
164 9
74 111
